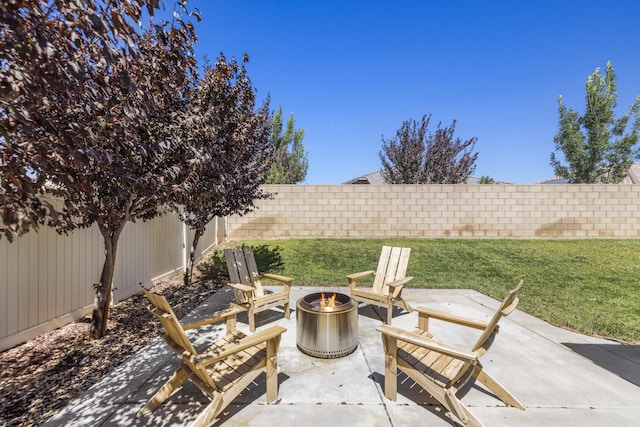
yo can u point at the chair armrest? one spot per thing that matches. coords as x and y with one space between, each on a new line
395 287
240 287
205 359
218 316
451 318
284 279
437 346
399 283
355 276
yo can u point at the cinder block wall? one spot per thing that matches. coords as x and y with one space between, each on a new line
441 211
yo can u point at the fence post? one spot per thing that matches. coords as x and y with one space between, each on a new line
184 248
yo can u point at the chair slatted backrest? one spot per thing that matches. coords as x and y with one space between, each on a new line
509 304
161 309
174 332
242 268
392 266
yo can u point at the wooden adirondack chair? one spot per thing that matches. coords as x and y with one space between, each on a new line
441 369
225 369
389 279
245 281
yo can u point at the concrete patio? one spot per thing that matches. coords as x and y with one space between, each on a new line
561 377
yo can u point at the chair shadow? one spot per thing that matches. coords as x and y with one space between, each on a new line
253 393
264 317
268 260
379 313
413 392
622 360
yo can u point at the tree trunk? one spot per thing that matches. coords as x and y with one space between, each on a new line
192 255
103 289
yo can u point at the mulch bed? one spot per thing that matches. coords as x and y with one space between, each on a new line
43 375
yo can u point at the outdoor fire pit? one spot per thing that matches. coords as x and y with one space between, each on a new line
327 326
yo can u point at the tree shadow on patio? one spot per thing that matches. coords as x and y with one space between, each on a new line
267 259
620 359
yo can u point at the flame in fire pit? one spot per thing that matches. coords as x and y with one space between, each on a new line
328 301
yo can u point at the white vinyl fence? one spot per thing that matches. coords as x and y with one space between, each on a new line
46 280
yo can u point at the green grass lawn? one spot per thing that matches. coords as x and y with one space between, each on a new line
592 286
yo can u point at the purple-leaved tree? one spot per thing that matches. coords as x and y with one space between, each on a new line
228 147
417 156
89 112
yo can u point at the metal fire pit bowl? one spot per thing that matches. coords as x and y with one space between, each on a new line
327 332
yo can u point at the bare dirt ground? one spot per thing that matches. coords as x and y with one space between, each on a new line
41 376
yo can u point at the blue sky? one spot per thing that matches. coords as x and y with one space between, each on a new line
353 71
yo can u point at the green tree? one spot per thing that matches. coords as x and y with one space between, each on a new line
289 163
596 146
486 180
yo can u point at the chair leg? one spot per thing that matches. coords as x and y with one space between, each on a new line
252 319
448 399
286 310
271 369
389 304
403 304
209 413
496 388
398 303
458 409
177 379
390 345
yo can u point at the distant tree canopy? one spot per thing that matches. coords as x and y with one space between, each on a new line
486 180
597 146
289 163
417 156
